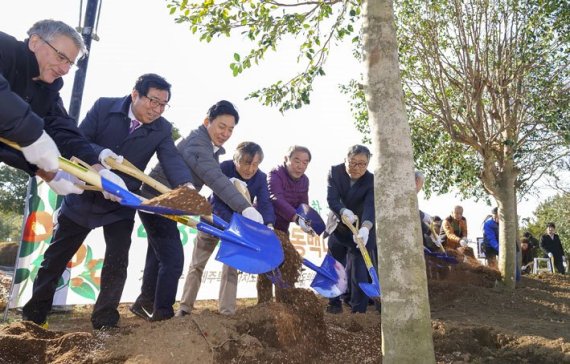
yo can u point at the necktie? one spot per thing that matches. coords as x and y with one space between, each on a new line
134 125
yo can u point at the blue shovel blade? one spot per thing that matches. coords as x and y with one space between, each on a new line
131 200
372 290
311 217
247 245
330 280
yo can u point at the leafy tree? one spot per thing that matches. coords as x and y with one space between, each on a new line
557 210
13 188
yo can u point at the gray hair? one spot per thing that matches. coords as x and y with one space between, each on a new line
298 148
48 29
358 149
247 150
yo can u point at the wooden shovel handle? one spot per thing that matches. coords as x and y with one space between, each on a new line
359 242
130 169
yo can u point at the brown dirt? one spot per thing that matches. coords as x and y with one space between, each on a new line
183 198
473 322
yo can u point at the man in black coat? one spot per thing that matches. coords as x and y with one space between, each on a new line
31 110
551 244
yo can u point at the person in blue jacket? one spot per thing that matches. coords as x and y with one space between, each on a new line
31 110
130 127
491 238
243 171
350 193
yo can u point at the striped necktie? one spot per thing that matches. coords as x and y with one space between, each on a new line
134 125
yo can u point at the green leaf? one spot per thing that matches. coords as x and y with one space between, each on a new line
236 57
84 290
21 275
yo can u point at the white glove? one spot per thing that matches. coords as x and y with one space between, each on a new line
349 215
43 153
106 153
438 243
363 235
107 174
234 180
64 184
463 242
306 228
252 214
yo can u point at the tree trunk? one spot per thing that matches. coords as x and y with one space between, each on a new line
505 196
406 322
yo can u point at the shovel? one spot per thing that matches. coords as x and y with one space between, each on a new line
372 290
442 256
244 244
311 218
330 280
90 176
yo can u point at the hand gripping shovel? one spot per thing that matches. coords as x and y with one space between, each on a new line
311 218
90 176
244 244
372 290
330 280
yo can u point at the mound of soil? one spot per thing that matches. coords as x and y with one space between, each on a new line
473 320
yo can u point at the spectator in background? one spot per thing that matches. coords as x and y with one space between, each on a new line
551 244
455 229
528 254
491 238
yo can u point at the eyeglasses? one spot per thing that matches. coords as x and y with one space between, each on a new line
60 56
352 164
154 103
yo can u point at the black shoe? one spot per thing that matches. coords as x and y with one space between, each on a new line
160 316
334 309
140 311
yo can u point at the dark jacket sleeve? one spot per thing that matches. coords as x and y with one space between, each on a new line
368 213
262 201
69 139
18 122
333 192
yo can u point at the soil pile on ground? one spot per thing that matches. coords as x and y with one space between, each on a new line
26 342
473 320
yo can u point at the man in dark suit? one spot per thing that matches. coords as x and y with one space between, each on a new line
132 127
350 193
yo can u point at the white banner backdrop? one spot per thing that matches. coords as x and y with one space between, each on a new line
81 281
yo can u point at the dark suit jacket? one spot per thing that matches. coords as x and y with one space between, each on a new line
359 198
23 100
106 125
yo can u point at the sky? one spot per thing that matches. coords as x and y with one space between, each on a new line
138 37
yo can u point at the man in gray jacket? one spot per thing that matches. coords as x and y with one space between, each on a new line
201 151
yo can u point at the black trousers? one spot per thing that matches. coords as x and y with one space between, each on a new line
163 266
67 239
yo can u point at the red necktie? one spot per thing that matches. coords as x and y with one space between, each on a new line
134 125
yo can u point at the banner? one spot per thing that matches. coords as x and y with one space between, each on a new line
80 283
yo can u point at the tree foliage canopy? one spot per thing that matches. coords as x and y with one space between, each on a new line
13 187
